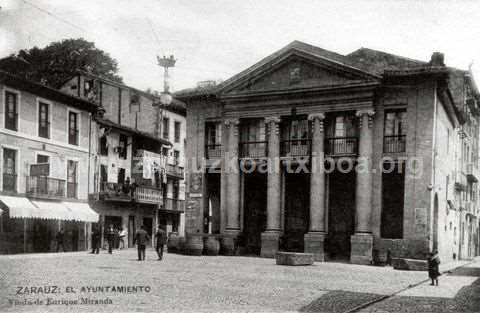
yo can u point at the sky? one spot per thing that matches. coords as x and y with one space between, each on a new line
214 40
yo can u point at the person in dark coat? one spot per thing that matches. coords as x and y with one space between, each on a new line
433 267
95 241
161 237
60 237
110 236
141 238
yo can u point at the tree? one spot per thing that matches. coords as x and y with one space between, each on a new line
58 61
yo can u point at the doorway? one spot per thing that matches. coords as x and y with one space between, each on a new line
148 223
131 230
254 211
393 193
297 204
211 212
341 213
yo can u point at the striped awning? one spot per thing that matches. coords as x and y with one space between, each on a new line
82 211
20 207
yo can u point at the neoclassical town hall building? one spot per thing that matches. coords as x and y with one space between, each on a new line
417 119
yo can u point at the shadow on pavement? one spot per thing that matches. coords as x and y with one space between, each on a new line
467 271
339 301
467 299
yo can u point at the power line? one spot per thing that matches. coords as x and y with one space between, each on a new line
54 16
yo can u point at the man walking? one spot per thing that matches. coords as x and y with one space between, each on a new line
161 237
141 238
95 241
110 236
60 239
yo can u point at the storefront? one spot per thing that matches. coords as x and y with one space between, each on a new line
29 226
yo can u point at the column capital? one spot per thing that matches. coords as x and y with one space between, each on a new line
274 119
232 121
369 112
319 115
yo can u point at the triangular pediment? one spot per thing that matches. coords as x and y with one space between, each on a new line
296 67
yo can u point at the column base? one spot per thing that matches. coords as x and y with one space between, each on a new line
270 243
228 243
314 242
361 248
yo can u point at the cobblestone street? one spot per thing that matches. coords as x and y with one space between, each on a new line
202 284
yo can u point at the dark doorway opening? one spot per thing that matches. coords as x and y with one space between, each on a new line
254 211
148 223
393 193
341 213
211 211
297 205
132 229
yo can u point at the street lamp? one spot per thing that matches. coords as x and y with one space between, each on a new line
166 63
165 97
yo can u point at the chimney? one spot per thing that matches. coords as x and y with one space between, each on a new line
438 59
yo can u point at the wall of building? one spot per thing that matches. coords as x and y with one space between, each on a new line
418 100
198 113
113 161
28 144
36 235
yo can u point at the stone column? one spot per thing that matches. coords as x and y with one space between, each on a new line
362 240
314 240
271 236
232 176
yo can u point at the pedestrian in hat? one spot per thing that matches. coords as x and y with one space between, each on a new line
433 267
60 237
95 240
161 237
141 238
110 236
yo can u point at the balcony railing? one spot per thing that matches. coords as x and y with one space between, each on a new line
214 151
175 171
295 148
45 187
394 144
115 191
146 194
341 145
174 205
10 182
131 192
253 149
72 190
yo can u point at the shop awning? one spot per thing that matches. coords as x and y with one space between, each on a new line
82 211
68 211
19 207
52 210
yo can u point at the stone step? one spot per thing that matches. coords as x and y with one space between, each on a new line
294 258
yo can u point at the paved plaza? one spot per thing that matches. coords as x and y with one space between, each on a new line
215 284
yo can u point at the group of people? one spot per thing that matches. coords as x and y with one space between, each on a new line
141 239
114 235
